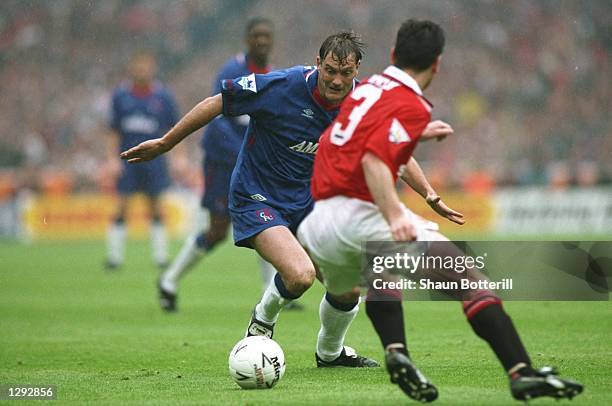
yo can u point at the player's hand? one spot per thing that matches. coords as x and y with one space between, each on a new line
145 151
402 229
437 129
436 203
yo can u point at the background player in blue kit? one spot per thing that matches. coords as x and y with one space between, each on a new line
270 185
142 109
221 143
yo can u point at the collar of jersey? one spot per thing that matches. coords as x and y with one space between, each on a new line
404 78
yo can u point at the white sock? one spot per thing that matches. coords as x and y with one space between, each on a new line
188 256
267 272
115 243
334 325
159 243
271 304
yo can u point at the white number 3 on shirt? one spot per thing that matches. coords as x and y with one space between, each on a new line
370 94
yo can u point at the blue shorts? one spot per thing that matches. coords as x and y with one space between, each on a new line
217 177
150 178
250 219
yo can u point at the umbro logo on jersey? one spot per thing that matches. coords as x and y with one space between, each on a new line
258 197
397 133
265 215
308 113
248 83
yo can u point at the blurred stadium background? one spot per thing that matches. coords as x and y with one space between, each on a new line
526 85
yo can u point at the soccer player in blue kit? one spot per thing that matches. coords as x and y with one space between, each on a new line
270 184
221 144
142 109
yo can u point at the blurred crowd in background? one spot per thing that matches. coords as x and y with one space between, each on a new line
526 84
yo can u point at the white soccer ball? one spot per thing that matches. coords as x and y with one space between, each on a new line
257 363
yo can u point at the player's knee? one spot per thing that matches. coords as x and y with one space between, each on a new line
301 279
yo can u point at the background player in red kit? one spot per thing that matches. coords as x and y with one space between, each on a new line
360 156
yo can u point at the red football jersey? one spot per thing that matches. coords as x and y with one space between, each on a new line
385 115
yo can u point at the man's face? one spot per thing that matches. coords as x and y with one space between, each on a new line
259 41
336 77
143 69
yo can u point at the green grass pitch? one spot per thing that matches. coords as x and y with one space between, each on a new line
101 338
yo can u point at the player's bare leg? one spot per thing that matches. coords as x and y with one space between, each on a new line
193 250
115 237
295 274
159 241
267 276
278 246
217 232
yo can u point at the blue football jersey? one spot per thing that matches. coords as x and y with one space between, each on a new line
138 118
223 137
275 162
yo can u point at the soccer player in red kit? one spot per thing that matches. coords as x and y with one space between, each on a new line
360 156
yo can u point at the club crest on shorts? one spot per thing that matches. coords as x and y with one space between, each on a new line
265 215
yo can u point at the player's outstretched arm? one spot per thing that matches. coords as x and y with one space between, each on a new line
437 129
413 175
203 113
379 179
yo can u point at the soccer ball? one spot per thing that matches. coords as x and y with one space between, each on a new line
256 362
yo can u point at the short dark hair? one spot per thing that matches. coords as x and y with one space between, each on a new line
418 44
255 21
342 45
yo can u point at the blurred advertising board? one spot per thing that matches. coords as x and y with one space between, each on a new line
87 216
533 211
512 212
524 211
